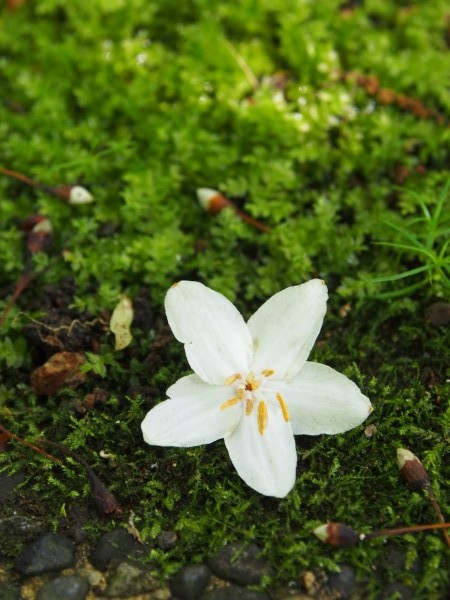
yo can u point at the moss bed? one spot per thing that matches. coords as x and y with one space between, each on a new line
327 121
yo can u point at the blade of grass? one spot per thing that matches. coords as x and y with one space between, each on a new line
409 236
405 247
401 292
398 276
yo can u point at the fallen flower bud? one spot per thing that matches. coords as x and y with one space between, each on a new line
72 194
338 535
214 202
412 470
80 195
415 475
40 236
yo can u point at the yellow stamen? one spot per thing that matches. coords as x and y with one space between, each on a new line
232 378
262 417
267 372
284 409
228 403
240 393
249 406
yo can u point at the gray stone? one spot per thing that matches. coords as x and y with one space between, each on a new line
51 552
344 582
240 564
115 546
190 582
72 587
8 483
8 591
234 592
18 526
130 580
15 532
167 540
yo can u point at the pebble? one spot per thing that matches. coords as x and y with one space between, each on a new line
344 582
190 582
18 525
71 587
240 564
167 540
51 552
8 484
115 546
234 592
129 579
17 530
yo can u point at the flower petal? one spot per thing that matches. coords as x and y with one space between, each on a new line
266 462
192 415
285 328
217 341
321 400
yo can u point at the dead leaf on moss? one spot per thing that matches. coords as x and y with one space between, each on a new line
120 323
61 370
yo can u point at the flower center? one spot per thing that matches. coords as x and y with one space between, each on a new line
254 392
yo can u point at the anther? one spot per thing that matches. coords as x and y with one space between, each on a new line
249 407
267 372
232 378
283 406
262 417
228 403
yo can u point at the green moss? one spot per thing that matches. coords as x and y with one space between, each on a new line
143 102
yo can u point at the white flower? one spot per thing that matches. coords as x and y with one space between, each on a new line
252 384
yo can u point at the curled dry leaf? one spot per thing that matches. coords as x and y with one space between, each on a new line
61 370
120 323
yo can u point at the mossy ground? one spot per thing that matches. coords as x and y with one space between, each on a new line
143 102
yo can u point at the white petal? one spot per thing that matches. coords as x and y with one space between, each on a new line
192 415
285 328
217 341
265 462
321 400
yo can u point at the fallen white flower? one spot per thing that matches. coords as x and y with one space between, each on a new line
252 384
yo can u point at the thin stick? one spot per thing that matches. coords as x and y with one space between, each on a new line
21 286
403 530
20 177
437 509
22 441
250 220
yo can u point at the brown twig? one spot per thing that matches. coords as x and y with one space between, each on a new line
21 286
22 441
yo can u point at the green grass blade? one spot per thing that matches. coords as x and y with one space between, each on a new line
406 291
398 276
405 247
440 203
409 236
